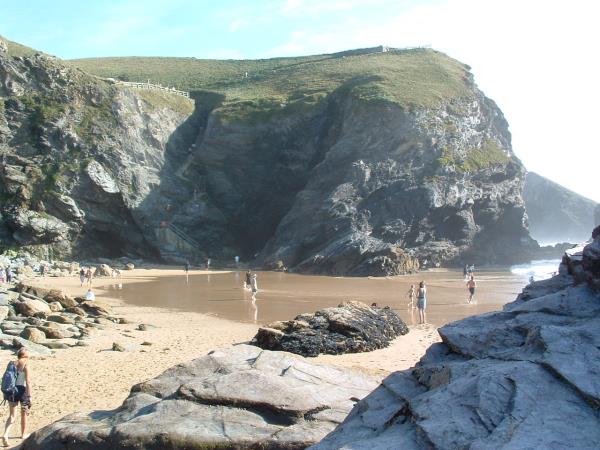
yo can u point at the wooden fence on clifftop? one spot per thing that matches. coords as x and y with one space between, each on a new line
150 86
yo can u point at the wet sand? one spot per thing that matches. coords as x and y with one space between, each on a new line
282 296
183 326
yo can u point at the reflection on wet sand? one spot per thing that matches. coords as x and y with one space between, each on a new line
283 296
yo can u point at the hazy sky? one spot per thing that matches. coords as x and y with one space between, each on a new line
537 59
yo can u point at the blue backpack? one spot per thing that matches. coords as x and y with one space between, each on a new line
9 382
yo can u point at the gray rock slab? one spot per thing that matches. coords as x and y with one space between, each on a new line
242 397
35 349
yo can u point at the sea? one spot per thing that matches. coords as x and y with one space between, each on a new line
540 269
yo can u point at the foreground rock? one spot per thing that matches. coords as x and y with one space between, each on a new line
526 377
239 398
351 327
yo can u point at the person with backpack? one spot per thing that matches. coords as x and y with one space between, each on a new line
16 388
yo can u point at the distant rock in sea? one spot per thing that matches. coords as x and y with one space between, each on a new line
351 327
525 377
239 398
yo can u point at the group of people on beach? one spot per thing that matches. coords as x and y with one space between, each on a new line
420 294
6 275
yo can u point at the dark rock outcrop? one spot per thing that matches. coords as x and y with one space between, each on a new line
240 398
80 160
351 327
555 213
526 377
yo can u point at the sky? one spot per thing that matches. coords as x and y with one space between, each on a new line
537 59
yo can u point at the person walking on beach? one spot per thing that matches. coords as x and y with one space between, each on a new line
248 281
471 285
253 286
21 395
82 276
422 301
89 275
9 275
186 269
411 296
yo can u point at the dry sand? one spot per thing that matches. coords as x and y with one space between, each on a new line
94 377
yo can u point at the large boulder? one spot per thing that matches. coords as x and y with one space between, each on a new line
29 307
96 308
349 328
15 342
104 270
241 398
56 295
34 335
525 377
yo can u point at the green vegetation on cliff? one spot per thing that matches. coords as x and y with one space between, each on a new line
476 159
409 78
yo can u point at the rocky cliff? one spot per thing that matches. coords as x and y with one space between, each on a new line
555 213
359 163
87 167
525 377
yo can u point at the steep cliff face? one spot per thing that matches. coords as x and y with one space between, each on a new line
82 160
362 163
570 222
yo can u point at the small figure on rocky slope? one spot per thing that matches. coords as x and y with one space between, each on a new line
21 387
471 285
411 296
422 301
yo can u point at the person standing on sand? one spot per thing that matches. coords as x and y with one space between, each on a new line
23 395
253 286
89 275
82 276
422 301
411 296
248 281
471 285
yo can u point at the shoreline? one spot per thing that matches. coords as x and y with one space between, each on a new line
84 378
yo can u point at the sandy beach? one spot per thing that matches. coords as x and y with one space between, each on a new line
94 377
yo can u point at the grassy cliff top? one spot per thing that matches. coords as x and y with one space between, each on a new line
411 77
15 49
